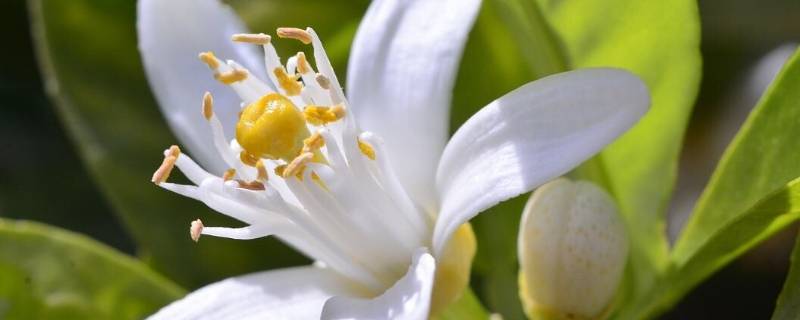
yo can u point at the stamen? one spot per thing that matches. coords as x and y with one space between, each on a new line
295 33
298 164
229 174
366 149
262 171
248 158
287 82
279 170
209 59
196 229
174 151
319 115
302 63
251 185
323 81
231 77
162 173
259 38
208 105
313 143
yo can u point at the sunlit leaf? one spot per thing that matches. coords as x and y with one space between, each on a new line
49 273
92 69
466 308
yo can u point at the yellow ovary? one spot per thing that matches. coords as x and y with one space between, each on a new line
272 128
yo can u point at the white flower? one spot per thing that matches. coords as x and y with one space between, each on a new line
367 185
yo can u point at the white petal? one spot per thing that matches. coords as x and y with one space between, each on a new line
171 35
400 81
531 135
408 299
295 293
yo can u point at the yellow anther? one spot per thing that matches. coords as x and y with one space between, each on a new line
229 174
298 165
323 81
196 229
162 173
208 105
313 143
279 170
272 128
319 115
366 149
251 185
295 33
302 63
209 59
259 38
262 171
287 82
174 151
231 77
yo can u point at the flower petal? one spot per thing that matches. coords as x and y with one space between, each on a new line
400 80
531 135
409 298
294 293
171 35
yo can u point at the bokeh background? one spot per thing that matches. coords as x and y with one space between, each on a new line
43 178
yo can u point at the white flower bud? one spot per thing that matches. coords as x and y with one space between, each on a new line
572 251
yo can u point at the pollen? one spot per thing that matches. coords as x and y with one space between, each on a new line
272 128
287 82
295 33
319 115
196 229
209 59
162 173
366 149
259 38
231 77
302 63
208 106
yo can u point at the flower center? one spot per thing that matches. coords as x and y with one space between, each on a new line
272 128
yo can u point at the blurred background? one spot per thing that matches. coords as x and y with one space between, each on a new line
43 178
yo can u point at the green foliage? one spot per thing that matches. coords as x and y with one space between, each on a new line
466 308
92 68
516 41
788 307
754 193
48 273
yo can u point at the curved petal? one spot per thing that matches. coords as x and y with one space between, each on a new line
171 35
295 293
400 80
408 299
531 135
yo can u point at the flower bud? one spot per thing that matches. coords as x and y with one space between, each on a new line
572 251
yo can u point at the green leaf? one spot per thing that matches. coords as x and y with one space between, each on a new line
465 308
659 41
761 159
49 273
768 216
788 306
92 69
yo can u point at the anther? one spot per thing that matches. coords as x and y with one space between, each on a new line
174 151
196 229
366 149
231 77
323 81
295 33
209 59
229 174
208 105
313 143
302 63
287 82
162 173
259 38
298 164
319 115
279 170
262 171
251 185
